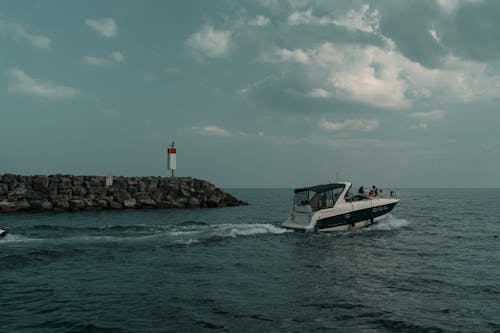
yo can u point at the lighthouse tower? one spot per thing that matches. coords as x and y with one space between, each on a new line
172 161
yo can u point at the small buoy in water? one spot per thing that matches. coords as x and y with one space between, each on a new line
3 233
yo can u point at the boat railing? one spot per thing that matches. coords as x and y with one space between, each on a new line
389 193
386 193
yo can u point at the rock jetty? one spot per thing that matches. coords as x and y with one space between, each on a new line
76 193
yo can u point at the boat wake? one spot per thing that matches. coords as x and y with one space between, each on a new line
391 223
12 238
185 233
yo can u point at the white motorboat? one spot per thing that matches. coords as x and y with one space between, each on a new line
331 207
3 233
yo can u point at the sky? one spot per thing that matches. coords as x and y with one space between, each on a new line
260 93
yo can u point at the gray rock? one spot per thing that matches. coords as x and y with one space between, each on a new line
129 203
79 190
40 183
76 204
97 182
183 192
183 200
148 202
43 205
157 196
141 196
194 202
65 182
7 206
115 205
4 188
61 201
35 195
122 195
89 204
101 204
18 192
10 180
22 204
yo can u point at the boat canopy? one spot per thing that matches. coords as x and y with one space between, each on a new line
321 188
319 196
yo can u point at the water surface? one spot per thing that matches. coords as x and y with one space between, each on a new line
433 266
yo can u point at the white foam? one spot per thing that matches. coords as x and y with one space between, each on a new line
390 223
11 238
251 229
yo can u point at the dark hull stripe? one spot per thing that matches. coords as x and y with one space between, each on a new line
355 216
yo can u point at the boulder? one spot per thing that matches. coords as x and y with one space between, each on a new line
141 196
65 182
18 192
40 183
10 180
7 206
121 195
76 204
22 204
129 203
101 204
115 205
79 190
4 188
148 202
61 201
42 205
194 202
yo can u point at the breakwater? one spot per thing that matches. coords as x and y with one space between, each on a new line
76 193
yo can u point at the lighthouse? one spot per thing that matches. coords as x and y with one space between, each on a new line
172 162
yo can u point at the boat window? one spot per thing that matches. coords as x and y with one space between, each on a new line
302 198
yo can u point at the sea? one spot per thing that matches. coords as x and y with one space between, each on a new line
432 266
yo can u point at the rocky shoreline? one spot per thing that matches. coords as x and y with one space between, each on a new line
76 193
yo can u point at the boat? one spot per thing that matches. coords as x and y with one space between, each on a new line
332 207
3 233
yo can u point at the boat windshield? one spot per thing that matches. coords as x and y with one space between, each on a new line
318 197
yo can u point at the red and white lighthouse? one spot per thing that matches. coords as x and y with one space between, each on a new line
172 161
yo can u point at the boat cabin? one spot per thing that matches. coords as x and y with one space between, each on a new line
318 197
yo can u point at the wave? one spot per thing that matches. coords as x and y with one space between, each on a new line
13 238
184 233
391 223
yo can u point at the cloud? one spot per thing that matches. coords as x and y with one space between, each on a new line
210 42
364 125
434 35
367 143
284 55
16 31
430 115
361 20
24 84
450 6
211 130
112 58
382 77
260 21
319 93
105 27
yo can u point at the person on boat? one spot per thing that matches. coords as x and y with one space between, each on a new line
361 190
373 192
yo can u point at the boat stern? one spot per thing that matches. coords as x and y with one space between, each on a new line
299 221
